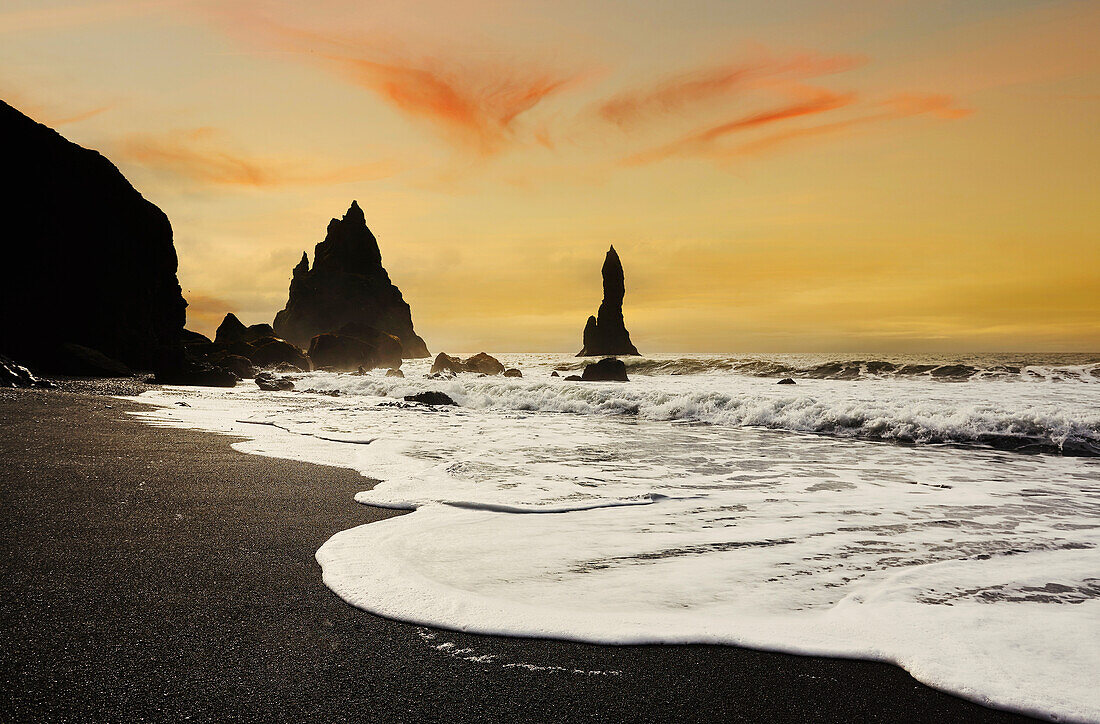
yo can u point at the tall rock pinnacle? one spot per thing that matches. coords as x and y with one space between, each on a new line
606 333
347 284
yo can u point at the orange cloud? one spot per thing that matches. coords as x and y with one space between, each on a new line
936 104
199 155
205 312
475 107
817 100
473 102
899 106
708 84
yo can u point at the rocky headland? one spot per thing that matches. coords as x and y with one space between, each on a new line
88 284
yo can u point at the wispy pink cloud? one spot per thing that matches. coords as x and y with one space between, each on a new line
896 107
705 85
473 100
815 101
476 108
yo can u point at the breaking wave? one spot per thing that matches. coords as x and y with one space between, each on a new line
1088 370
909 416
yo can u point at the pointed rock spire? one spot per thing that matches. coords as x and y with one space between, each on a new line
347 285
605 334
303 266
355 214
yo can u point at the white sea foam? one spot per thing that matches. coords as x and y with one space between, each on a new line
974 568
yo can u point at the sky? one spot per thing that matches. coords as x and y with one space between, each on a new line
776 175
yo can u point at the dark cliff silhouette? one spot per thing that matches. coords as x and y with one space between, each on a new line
88 263
347 284
606 333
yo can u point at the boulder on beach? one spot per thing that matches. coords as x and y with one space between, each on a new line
367 350
446 363
80 361
431 398
480 363
238 365
483 363
87 260
270 382
573 378
188 371
609 369
394 373
512 372
605 334
785 381
555 374
347 284
13 374
188 338
272 352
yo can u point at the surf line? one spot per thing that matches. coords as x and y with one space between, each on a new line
647 499
310 434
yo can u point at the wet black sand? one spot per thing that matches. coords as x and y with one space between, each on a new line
158 575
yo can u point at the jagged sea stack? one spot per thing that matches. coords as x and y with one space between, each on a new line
605 334
347 284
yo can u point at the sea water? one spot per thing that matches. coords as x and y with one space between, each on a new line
941 514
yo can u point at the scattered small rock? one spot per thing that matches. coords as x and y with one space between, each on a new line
512 372
481 363
785 381
431 398
555 374
271 383
609 369
573 378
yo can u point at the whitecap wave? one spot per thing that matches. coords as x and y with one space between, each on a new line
1026 422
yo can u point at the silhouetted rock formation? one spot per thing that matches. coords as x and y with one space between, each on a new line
188 338
275 352
238 365
606 333
233 330
87 260
346 284
185 370
480 363
366 349
606 370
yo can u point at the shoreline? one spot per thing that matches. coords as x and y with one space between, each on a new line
158 573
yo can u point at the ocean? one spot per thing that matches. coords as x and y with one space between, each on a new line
942 514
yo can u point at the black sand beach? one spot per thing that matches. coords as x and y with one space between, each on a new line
158 575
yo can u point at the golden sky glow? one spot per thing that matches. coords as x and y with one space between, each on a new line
777 175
